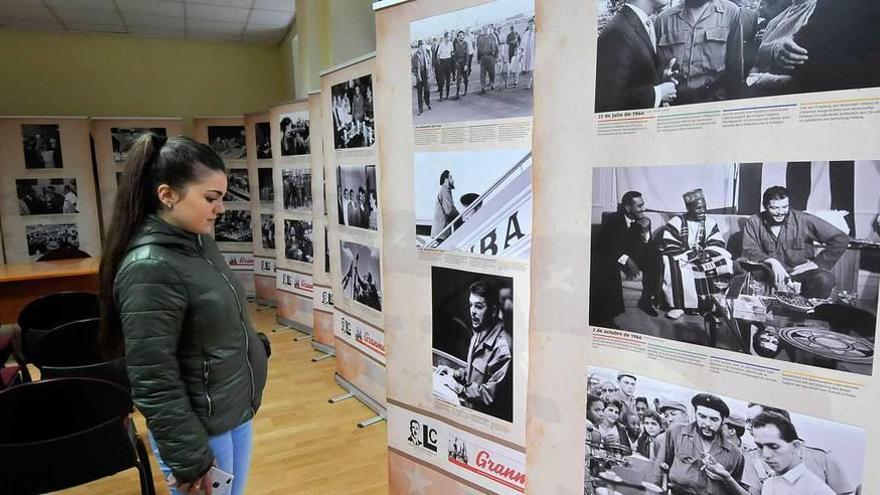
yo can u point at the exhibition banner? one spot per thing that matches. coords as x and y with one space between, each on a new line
708 208
258 137
48 198
460 178
265 280
351 176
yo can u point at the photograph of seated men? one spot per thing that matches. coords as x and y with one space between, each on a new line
653 53
778 260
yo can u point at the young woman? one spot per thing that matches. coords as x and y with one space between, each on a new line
172 306
652 427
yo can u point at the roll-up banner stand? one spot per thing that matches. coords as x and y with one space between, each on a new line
260 172
324 339
232 229
354 222
705 265
455 109
48 198
112 138
290 124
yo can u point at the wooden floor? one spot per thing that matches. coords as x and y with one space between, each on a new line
302 444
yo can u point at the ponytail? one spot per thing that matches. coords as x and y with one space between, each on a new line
153 160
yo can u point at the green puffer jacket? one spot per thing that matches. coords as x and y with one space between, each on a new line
196 365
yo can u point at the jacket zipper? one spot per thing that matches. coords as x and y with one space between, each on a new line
206 373
241 316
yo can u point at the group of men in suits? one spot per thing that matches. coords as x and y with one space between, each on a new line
653 53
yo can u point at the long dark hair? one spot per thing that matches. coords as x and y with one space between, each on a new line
153 160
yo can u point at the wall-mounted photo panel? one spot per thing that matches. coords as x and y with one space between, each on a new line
773 259
298 241
474 63
124 137
474 201
238 189
352 111
295 139
46 196
643 433
296 189
228 141
263 140
472 341
361 274
41 144
357 203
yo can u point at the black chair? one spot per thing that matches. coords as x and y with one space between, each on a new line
71 350
11 374
56 434
44 314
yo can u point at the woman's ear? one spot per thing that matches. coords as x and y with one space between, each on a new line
168 196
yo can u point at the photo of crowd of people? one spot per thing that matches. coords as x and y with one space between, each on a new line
352 110
228 141
124 137
264 140
46 196
452 188
53 241
296 186
295 134
298 244
233 226
238 187
778 260
647 436
472 340
485 54
42 146
361 274
655 53
267 230
267 188
357 203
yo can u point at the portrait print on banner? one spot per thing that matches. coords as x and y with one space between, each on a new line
295 134
357 202
298 245
650 432
228 141
351 103
264 141
296 188
475 201
233 226
41 144
238 186
649 55
775 260
53 241
46 196
123 137
472 341
361 274
474 64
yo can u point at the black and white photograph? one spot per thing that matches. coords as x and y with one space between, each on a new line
267 230
474 64
267 188
295 134
298 245
361 274
42 146
296 184
649 55
779 260
46 196
472 340
474 201
263 132
228 141
357 203
53 241
351 103
238 186
644 435
124 137
233 226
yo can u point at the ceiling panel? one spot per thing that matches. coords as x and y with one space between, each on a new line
198 25
105 5
246 4
270 17
52 25
25 13
98 17
151 7
167 31
215 13
96 28
140 20
286 5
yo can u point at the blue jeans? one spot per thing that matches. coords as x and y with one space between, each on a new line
232 453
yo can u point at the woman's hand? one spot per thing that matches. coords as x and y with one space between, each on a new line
195 488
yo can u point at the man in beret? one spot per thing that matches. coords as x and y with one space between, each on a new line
698 458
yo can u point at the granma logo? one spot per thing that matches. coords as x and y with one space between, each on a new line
422 436
494 467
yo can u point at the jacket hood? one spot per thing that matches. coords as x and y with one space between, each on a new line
156 231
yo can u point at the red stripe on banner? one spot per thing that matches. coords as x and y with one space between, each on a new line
487 475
